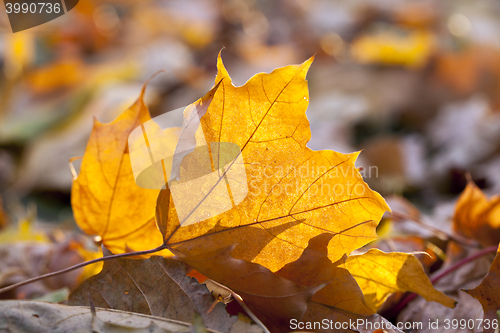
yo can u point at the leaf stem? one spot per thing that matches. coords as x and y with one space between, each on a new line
83 264
491 249
487 250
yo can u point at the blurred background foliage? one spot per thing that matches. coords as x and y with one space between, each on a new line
414 84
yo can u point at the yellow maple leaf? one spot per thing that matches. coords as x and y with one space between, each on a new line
242 174
273 194
105 198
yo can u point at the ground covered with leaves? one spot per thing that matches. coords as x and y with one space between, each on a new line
355 190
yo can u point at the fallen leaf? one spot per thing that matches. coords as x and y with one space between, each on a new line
460 70
465 274
431 315
478 217
64 73
282 193
341 300
13 258
105 198
471 69
19 55
273 299
87 255
23 231
405 47
23 260
32 316
379 274
156 286
487 293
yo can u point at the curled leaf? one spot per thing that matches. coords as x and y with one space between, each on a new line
273 299
379 274
341 300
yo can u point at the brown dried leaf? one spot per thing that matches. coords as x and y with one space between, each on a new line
42 317
156 286
341 299
273 299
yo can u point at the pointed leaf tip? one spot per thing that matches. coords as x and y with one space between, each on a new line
221 69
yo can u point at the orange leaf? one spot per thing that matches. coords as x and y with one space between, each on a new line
62 74
197 275
259 186
478 217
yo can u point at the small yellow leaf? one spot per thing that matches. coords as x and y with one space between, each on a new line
22 232
19 53
105 198
380 274
411 49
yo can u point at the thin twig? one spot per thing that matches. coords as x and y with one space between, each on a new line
80 265
487 250
491 249
455 238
